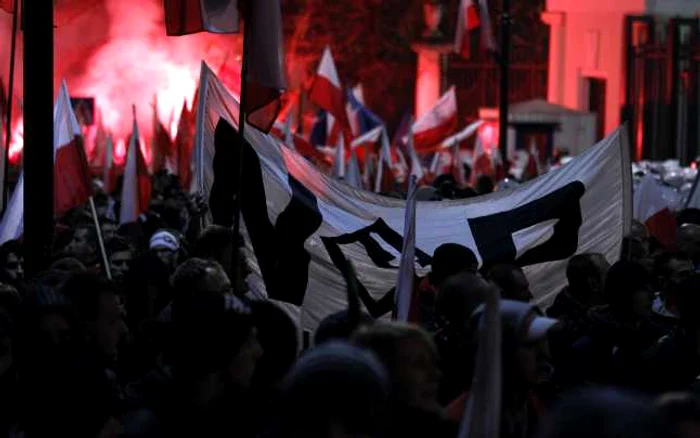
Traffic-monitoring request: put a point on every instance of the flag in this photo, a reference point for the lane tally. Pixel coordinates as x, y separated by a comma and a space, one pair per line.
404, 282
481, 161
327, 92
416, 165
482, 411
431, 129
362, 119
183, 17
265, 80
651, 209
183, 146
161, 143
136, 189
364, 145
12, 225
304, 228
384, 166
319, 129
7, 6
462, 135
339, 161
72, 186
467, 21
353, 176
109, 172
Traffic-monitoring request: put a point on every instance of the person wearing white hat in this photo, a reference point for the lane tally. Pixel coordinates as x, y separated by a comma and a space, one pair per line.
166, 246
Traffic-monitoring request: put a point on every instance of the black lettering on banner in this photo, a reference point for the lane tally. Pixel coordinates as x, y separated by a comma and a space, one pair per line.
379, 256
493, 234
279, 249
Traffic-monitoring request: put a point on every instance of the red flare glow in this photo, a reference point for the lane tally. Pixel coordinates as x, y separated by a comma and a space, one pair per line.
16, 142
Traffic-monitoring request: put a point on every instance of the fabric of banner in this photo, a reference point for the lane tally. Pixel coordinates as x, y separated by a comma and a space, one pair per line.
303, 228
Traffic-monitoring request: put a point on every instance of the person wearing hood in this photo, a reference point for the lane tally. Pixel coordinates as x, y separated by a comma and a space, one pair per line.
526, 364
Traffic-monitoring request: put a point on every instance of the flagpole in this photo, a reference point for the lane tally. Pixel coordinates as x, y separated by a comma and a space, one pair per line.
8, 120
241, 143
100, 239
504, 64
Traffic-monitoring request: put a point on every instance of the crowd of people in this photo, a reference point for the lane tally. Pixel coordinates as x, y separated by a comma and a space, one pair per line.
173, 344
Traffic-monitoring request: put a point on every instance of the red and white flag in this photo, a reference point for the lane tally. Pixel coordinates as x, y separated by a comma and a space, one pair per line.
72, 186
469, 19
481, 163
136, 189
405, 281
265, 81
109, 174
327, 92
183, 17
384, 166
416, 165
651, 209
437, 124
183, 144
7, 6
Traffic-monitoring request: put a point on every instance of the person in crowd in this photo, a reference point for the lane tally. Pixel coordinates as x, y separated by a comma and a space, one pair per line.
120, 256
689, 242
336, 390
669, 271
619, 332
67, 265
512, 281
83, 243
682, 410
673, 363
109, 229
74, 393
9, 298
586, 275
448, 259
218, 352
277, 335
485, 185
9, 382
166, 245
526, 364
11, 263
460, 295
217, 243
340, 326
605, 413
411, 360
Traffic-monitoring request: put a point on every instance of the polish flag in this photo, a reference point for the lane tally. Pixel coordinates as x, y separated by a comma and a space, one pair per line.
364, 144
650, 208
416, 166
462, 135
437, 124
136, 190
265, 80
339, 161
481, 164
72, 186
296, 142
327, 92
7, 6
184, 141
470, 18
109, 174
384, 166
467, 21
183, 17
161, 143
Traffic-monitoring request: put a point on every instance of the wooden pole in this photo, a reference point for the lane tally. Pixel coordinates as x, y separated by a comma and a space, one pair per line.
10, 99
504, 65
38, 135
100, 239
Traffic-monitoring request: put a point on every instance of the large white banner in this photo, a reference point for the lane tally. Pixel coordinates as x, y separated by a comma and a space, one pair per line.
302, 227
